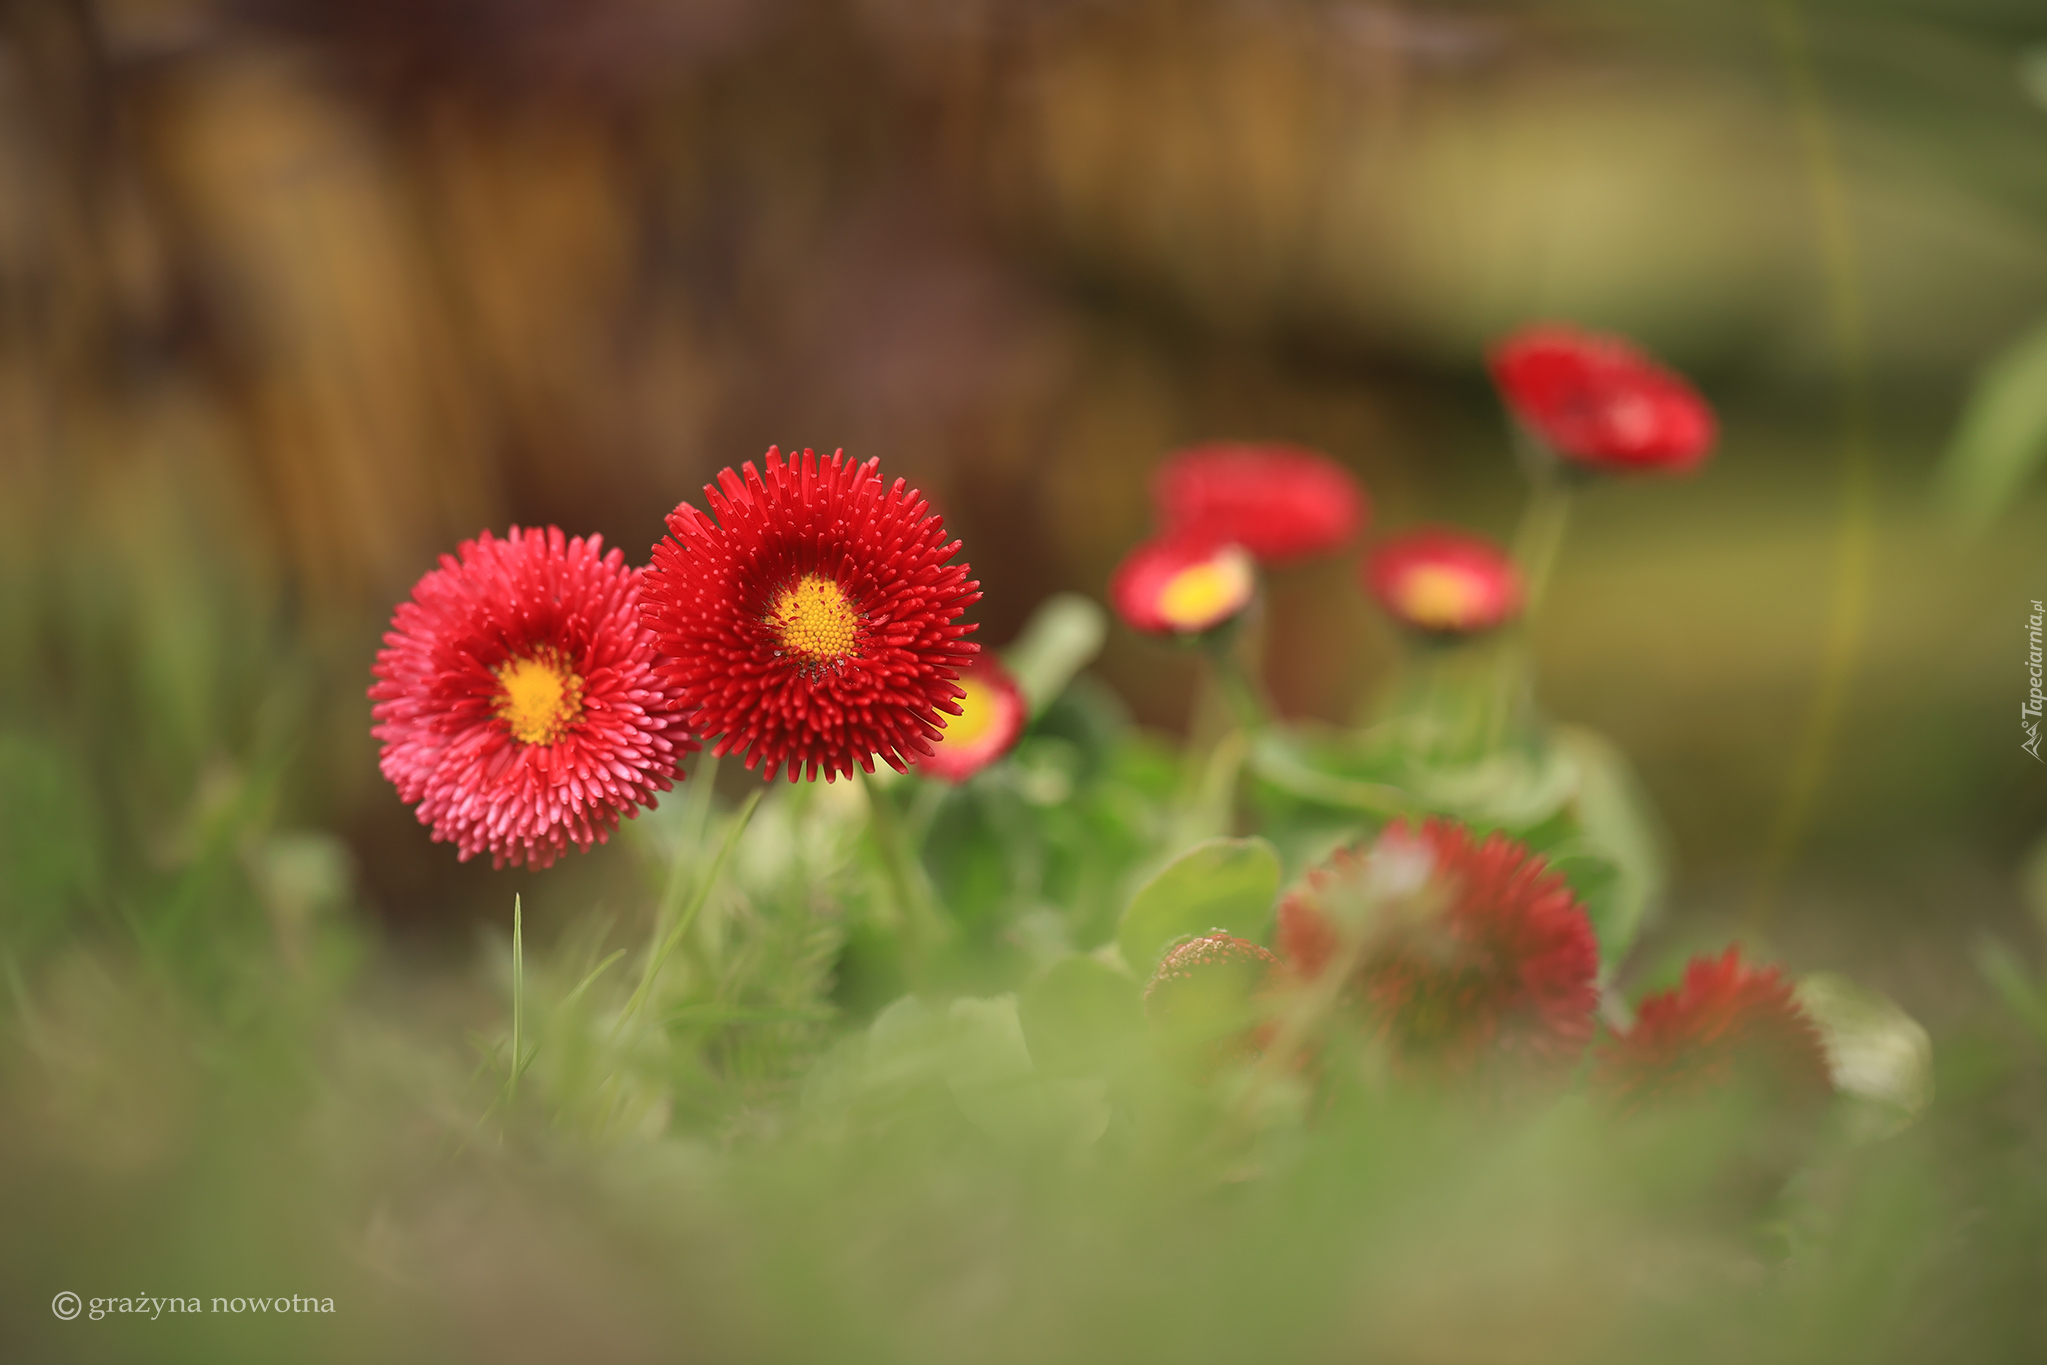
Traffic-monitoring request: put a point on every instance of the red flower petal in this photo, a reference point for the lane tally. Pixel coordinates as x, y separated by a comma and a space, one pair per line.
1282, 503
517, 699
1440, 579
813, 620
1598, 401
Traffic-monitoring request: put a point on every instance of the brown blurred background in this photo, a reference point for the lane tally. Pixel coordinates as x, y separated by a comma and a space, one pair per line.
299, 293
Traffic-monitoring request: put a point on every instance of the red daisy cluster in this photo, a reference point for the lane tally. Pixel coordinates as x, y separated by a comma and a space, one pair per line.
517, 699
990, 721
1463, 949
1444, 581
1728, 1023
811, 619
1224, 509
1282, 503
1600, 403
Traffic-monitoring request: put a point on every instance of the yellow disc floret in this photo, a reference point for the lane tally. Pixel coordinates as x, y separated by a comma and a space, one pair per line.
815, 619
1441, 598
1203, 594
540, 696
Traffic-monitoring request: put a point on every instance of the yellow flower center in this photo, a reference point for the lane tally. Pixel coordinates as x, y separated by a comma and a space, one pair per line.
816, 619
979, 711
1203, 594
541, 697
1439, 597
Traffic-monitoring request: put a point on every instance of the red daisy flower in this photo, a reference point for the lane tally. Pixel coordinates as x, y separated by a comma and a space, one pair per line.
1727, 1023
1598, 401
991, 720
517, 699
1444, 580
815, 622
1280, 502
1182, 584
1464, 948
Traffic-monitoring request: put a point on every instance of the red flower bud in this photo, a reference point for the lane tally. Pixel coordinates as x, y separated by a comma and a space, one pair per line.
1600, 403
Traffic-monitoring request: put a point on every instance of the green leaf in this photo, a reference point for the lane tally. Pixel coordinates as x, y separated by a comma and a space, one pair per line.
974, 1051
2033, 883
2002, 968
51, 857
2003, 432
1510, 789
1297, 765
1599, 883
1221, 883
1078, 1013
2033, 74
1615, 822
1062, 637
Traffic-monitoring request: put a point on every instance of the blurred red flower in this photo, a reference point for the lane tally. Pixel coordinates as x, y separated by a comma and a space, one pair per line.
517, 699
1182, 584
1280, 502
991, 720
1727, 1023
1599, 402
815, 621
1464, 949
1444, 580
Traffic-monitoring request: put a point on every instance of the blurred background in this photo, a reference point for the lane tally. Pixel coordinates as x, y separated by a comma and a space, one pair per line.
297, 294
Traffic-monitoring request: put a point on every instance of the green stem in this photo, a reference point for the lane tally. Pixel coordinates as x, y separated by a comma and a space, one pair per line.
518, 999
1855, 534
1240, 694
1537, 542
681, 927
1232, 651
1539, 537
905, 876
689, 844
696, 810
924, 809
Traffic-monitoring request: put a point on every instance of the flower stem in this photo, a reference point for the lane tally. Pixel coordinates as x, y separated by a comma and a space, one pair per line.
1539, 537
1229, 651
1833, 225
696, 813
1537, 542
681, 927
921, 925
518, 999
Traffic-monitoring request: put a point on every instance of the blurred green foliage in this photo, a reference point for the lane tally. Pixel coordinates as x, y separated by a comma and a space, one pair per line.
720, 1163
